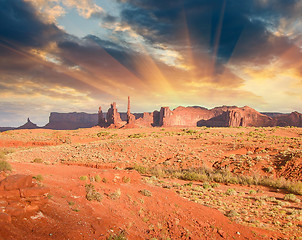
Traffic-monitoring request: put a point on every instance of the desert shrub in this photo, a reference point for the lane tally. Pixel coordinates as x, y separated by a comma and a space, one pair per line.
189, 131
102, 134
39, 177
222, 176
118, 236
116, 195
189, 184
37, 160
290, 197
92, 194
145, 192
295, 187
268, 169
190, 176
83, 178
2, 155
104, 180
231, 192
231, 213
214, 185
141, 169
126, 179
97, 178
252, 192
206, 185
137, 135
5, 166
157, 172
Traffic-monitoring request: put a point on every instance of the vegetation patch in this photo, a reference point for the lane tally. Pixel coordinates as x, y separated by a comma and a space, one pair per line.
92, 194
145, 192
83, 178
102, 134
37, 160
222, 176
5, 166
39, 177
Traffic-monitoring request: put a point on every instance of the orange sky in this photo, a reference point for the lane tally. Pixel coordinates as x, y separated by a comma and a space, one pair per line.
72, 55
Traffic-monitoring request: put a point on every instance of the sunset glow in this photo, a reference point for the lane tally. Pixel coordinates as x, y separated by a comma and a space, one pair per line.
75, 55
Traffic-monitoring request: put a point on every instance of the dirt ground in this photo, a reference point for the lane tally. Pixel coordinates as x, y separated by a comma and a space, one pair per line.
137, 205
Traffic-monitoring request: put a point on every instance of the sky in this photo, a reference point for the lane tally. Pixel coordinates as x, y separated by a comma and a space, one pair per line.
77, 55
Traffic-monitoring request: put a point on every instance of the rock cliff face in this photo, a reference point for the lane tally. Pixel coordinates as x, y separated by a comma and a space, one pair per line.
225, 116
183, 116
246, 117
71, 121
292, 119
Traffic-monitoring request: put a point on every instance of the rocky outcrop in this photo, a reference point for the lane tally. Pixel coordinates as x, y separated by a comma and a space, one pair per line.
28, 125
20, 196
184, 116
292, 119
130, 117
101, 118
71, 121
246, 117
3, 129
237, 117
113, 117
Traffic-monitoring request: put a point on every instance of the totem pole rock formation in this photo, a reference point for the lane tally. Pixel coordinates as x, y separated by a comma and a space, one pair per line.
101, 119
130, 117
113, 117
224, 116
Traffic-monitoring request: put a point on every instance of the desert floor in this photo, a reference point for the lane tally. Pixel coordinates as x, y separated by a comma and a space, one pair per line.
159, 183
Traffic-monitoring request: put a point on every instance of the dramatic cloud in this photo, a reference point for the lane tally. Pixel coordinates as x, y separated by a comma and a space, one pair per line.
172, 52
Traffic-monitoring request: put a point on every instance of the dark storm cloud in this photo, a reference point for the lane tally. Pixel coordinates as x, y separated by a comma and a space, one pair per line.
20, 25
215, 26
21, 31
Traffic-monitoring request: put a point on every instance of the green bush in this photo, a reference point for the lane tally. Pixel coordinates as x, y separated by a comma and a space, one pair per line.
5, 166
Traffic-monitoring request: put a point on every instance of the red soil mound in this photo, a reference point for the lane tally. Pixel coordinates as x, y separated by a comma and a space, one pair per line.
128, 205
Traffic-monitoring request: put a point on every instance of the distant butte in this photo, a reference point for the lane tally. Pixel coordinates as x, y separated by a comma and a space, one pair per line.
224, 116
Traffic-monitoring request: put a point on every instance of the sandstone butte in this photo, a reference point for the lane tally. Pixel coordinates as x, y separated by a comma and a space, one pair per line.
225, 116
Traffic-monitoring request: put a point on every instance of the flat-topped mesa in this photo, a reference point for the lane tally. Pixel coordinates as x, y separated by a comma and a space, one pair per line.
224, 116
